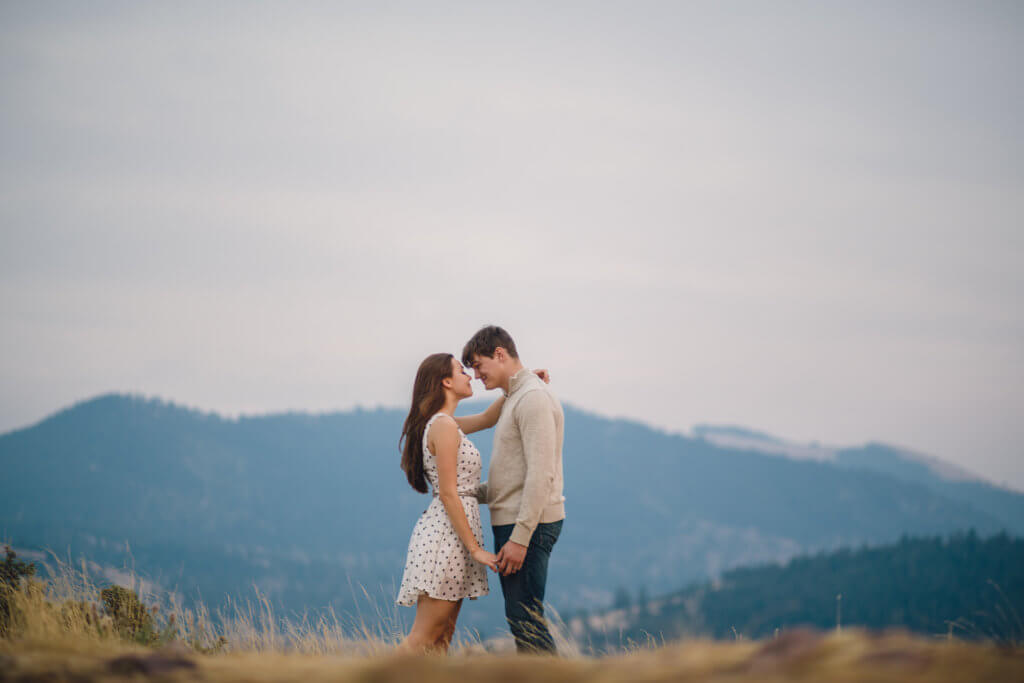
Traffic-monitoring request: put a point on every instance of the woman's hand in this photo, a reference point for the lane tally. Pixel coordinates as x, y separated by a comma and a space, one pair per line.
544, 375
486, 558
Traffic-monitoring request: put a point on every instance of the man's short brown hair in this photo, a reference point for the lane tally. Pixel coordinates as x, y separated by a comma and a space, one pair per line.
485, 342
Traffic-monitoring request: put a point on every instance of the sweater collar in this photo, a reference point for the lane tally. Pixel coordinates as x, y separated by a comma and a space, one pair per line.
516, 381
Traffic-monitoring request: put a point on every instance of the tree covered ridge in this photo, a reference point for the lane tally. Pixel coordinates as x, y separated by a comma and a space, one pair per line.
962, 584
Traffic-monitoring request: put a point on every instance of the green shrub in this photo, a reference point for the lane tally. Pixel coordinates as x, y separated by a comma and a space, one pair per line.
12, 570
132, 619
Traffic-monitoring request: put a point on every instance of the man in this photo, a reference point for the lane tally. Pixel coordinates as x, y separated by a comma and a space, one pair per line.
524, 484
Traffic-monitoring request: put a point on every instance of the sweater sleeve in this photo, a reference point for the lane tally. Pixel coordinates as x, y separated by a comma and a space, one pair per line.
536, 423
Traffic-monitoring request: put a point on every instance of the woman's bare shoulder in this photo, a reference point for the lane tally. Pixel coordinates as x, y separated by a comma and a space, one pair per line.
443, 425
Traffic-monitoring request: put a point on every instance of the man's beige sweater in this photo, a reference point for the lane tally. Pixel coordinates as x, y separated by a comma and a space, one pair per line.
524, 482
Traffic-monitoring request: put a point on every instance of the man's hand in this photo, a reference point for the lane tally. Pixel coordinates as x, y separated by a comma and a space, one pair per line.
510, 558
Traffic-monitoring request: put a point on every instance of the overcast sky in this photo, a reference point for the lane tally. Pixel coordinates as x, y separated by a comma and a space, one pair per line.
800, 217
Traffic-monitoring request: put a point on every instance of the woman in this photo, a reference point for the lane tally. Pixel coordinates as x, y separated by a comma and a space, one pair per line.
446, 562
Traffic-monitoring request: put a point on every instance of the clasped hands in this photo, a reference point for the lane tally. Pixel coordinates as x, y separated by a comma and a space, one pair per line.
509, 559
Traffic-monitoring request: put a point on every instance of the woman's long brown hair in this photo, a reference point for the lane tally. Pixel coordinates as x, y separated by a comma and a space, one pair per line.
427, 399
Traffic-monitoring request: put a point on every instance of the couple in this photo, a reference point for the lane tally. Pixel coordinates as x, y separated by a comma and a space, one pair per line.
447, 560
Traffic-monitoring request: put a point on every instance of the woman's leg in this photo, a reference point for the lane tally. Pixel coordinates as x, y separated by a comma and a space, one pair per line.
449, 632
432, 621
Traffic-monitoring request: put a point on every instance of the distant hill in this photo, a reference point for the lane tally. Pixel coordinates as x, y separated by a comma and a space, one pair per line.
966, 585
311, 507
938, 475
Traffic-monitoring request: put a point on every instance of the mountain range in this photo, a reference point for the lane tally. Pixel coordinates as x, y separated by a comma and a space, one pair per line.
314, 510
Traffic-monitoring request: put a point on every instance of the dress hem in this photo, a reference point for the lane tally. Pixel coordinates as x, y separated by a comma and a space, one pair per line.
424, 591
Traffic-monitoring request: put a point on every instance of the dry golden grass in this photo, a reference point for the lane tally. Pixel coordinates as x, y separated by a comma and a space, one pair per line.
795, 655
65, 608
59, 635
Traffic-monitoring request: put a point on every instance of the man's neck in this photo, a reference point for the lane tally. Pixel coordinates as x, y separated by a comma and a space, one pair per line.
513, 371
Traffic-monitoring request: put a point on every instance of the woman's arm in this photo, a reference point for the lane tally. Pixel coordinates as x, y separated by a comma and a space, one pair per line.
444, 441
481, 421
489, 418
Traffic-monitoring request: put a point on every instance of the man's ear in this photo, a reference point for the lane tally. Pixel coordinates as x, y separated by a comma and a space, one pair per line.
499, 354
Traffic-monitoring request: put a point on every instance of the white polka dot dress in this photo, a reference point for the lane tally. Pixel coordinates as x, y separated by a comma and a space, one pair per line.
438, 564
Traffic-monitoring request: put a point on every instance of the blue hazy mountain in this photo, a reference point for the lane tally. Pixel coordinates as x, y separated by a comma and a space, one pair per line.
937, 475
312, 507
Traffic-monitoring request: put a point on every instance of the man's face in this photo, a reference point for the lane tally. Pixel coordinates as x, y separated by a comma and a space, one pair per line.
488, 370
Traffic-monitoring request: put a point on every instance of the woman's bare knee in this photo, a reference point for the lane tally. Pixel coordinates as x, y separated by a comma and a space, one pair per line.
433, 620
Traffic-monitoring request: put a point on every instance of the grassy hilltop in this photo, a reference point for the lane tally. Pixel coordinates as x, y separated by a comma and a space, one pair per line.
797, 656
66, 629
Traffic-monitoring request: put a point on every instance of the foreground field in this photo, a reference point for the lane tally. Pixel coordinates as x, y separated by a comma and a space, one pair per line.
793, 656
68, 628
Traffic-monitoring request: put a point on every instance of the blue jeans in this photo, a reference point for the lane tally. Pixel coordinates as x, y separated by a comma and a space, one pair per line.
524, 590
